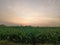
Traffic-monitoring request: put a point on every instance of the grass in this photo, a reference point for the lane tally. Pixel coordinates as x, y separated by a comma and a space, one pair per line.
5, 42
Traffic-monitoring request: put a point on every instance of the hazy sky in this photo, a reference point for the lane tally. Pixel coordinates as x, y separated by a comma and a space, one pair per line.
30, 12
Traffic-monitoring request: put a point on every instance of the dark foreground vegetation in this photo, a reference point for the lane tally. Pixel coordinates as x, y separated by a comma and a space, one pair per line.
30, 35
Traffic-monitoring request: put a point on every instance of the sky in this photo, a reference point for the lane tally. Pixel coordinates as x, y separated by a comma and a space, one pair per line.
30, 12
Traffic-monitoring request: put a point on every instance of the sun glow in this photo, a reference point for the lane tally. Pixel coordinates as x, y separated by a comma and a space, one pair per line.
23, 16
30, 12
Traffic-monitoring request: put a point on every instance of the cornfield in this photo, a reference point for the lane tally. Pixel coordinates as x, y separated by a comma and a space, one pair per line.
29, 34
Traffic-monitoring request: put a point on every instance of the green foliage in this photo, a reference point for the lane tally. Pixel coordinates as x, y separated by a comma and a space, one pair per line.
28, 34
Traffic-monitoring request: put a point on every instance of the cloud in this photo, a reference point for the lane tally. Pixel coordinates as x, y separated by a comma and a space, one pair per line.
30, 12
